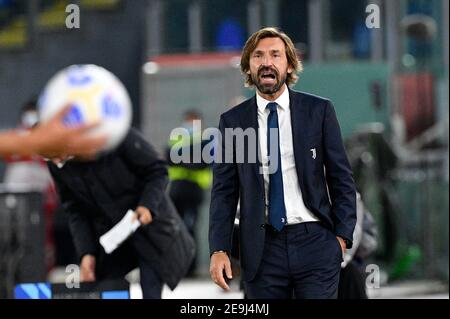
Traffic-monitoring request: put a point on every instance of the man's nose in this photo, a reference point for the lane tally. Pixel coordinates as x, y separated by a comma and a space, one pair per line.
267, 61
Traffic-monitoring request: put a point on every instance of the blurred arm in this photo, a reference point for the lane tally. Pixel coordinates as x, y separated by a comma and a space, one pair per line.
51, 139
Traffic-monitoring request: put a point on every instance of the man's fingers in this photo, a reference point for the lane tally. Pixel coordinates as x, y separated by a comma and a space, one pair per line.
56, 138
90, 276
59, 117
86, 145
144, 215
342, 244
63, 112
218, 278
221, 281
145, 219
81, 141
87, 276
87, 127
228, 270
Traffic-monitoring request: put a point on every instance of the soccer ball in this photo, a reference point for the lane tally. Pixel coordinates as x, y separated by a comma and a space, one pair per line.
95, 95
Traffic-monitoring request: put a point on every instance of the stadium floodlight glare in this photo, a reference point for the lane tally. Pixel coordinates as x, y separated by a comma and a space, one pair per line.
150, 68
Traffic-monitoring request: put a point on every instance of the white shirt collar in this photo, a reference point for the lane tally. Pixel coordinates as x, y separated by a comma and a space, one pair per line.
282, 101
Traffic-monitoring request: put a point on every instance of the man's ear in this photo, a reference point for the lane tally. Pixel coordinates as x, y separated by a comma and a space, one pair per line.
290, 69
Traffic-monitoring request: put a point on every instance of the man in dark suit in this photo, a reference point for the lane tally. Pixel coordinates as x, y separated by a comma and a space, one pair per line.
298, 200
97, 193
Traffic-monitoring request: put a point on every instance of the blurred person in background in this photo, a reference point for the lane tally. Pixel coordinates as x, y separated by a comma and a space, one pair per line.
189, 181
30, 171
96, 194
27, 169
293, 232
352, 283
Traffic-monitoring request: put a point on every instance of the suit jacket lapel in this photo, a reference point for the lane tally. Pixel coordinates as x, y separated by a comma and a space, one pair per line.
251, 121
299, 122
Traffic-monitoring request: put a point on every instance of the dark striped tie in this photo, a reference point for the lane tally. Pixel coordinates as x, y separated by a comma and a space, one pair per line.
277, 209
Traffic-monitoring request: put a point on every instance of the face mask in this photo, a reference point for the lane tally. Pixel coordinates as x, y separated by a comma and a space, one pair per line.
30, 119
189, 126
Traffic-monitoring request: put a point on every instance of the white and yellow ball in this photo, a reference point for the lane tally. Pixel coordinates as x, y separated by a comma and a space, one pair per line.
95, 95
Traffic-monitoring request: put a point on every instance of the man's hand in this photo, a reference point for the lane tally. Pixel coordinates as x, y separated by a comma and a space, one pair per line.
54, 139
144, 215
219, 263
342, 243
87, 268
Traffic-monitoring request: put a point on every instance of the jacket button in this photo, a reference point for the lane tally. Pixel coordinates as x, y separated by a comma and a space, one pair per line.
263, 225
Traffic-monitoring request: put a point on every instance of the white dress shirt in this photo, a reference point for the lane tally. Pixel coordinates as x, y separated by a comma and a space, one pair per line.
296, 212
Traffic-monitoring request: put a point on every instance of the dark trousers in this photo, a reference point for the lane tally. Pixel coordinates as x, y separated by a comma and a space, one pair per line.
122, 261
352, 282
151, 284
300, 261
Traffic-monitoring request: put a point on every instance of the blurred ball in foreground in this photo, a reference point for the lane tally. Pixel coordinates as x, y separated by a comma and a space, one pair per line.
95, 95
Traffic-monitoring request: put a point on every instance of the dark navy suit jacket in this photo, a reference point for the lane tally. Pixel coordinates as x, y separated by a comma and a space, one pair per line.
326, 182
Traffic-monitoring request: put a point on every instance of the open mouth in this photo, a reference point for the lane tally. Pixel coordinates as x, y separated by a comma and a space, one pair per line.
267, 77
